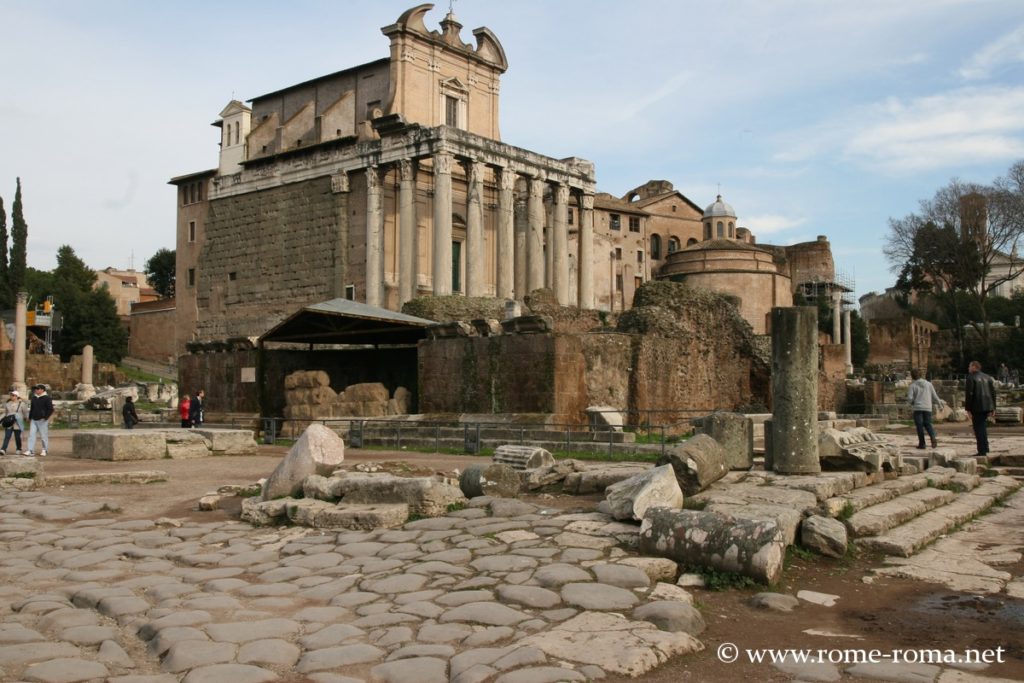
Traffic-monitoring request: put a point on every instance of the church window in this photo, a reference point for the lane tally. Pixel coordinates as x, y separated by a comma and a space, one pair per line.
615, 221
191, 277
236, 132
618, 253
634, 223
707, 230
451, 111
350, 292
673, 245
732, 229
639, 255
191, 231
691, 242
618, 282
721, 229
656, 247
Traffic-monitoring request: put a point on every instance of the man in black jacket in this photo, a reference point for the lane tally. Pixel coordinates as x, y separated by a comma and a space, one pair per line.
980, 402
39, 414
195, 409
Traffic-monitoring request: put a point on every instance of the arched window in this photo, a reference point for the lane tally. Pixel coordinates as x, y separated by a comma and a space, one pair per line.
721, 229
656, 247
673, 245
691, 242
732, 229
707, 230
236, 132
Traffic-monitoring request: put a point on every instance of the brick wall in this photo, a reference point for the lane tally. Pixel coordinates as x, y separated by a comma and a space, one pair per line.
153, 330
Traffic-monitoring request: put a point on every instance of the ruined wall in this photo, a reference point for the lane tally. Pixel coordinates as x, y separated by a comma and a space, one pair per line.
152, 332
832, 377
810, 262
49, 370
267, 253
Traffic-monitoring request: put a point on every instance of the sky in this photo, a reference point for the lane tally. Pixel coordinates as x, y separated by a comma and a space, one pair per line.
811, 117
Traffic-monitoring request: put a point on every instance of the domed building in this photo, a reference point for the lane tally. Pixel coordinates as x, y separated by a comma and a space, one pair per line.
728, 262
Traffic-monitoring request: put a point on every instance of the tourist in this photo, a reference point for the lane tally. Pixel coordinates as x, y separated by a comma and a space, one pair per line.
1004, 374
13, 420
195, 409
128, 414
924, 400
183, 410
40, 413
980, 401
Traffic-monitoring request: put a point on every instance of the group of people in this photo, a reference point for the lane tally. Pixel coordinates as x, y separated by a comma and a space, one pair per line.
190, 409
979, 402
37, 412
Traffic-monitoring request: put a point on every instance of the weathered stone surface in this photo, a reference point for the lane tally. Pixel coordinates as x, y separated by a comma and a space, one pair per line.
656, 568
630, 498
598, 596
497, 480
188, 654
598, 479
334, 657
420, 669
621, 575
424, 495
697, 463
710, 539
823, 535
557, 574
734, 432
65, 670
318, 451
236, 673
263, 512
671, 615
530, 596
612, 642
523, 457
17, 466
187, 443
119, 444
229, 441
857, 449
490, 613
353, 516
775, 601
794, 439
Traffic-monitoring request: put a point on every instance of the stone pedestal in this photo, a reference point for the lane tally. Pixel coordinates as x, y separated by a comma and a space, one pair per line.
794, 439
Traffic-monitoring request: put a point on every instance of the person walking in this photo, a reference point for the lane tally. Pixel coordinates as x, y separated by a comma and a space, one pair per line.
13, 421
924, 400
195, 409
40, 414
183, 411
128, 413
980, 401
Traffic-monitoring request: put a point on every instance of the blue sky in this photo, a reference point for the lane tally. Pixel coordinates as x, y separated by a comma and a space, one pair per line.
815, 117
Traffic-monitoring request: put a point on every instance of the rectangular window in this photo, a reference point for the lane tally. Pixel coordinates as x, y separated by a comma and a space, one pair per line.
639, 255
615, 221
191, 231
451, 111
618, 253
232, 276
191, 277
634, 223
568, 217
350, 292
456, 266
618, 282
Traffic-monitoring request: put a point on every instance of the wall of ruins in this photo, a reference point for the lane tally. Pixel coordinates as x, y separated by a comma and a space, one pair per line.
810, 262
266, 253
152, 335
49, 370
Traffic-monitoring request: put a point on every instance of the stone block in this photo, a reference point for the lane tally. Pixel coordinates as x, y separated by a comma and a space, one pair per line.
657, 487
735, 434
262, 513
362, 517
424, 495
187, 443
230, 441
373, 392
1008, 415
318, 451
698, 463
965, 465
605, 417
523, 457
598, 479
824, 535
119, 444
20, 467
497, 480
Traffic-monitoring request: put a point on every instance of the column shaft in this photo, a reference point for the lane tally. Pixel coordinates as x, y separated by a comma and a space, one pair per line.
585, 255
20, 340
535, 236
442, 266
407, 251
837, 312
848, 341
475, 229
505, 248
374, 239
795, 390
560, 230
522, 229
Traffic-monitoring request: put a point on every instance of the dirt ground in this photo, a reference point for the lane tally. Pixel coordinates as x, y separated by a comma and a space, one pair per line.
891, 613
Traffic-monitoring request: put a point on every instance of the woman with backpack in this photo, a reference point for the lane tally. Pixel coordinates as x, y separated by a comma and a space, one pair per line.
13, 420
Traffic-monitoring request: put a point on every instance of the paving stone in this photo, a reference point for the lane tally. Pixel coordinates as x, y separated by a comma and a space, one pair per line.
489, 613
112, 653
395, 635
478, 673
65, 670
656, 568
16, 633
503, 563
470, 658
334, 657
419, 669
324, 613
671, 616
489, 636
457, 598
427, 610
329, 636
574, 555
621, 575
670, 591
541, 674
810, 670
898, 673
520, 657
236, 673
273, 651
242, 632
531, 596
142, 678
375, 620
88, 635
169, 636
556, 575
401, 583
189, 654
25, 653
598, 596
443, 633
420, 650
332, 678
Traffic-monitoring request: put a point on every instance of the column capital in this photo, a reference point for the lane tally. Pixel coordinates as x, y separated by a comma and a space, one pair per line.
22, 297
536, 185
443, 163
474, 170
561, 193
506, 178
372, 178
587, 202
407, 169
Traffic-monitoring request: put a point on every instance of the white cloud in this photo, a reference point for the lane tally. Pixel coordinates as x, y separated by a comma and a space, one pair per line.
1007, 49
963, 127
768, 224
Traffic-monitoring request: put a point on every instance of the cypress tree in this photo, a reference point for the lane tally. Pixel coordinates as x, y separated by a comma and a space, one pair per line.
6, 298
19, 240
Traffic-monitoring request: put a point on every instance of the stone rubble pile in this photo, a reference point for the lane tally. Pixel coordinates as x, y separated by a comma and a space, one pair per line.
308, 395
857, 448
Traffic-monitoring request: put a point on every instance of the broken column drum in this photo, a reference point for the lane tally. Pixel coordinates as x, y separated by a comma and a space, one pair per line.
794, 427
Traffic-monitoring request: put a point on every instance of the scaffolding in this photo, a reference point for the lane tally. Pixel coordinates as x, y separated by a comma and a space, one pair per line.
842, 282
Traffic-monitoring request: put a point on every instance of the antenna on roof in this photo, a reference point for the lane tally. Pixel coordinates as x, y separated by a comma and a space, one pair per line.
451, 6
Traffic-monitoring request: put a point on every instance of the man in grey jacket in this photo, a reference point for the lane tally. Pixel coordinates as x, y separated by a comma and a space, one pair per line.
980, 402
924, 400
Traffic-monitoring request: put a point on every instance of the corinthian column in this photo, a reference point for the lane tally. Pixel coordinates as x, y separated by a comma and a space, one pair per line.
20, 337
586, 252
837, 314
474, 229
521, 227
560, 247
407, 251
535, 236
848, 341
505, 279
374, 239
442, 266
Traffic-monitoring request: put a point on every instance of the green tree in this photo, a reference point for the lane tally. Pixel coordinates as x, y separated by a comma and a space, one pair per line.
6, 296
160, 271
89, 314
19, 242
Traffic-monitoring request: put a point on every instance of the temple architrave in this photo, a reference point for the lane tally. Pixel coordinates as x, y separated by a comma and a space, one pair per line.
378, 183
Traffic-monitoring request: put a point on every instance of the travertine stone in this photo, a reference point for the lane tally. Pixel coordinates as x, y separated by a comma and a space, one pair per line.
523, 457
318, 451
698, 463
795, 390
735, 434
497, 480
629, 499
